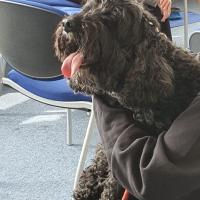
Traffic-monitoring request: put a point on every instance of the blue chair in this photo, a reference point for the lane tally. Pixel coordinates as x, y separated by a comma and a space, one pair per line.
175, 14
26, 29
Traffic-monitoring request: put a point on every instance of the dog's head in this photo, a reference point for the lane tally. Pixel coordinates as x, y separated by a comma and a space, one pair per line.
108, 38
100, 36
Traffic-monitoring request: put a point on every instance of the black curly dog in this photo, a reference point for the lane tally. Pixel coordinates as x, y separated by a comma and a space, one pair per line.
115, 48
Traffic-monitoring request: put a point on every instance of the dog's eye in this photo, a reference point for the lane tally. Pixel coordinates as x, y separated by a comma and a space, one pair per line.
83, 26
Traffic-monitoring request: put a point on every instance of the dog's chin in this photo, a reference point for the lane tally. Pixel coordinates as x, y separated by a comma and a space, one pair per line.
80, 86
74, 85
84, 83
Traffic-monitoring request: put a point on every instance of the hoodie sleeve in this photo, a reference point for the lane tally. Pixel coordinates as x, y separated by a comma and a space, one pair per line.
152, 168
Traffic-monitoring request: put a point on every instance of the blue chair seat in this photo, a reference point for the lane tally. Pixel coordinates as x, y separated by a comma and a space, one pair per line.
61, 7
67, 10
66, 3
53, 89
175, 14
65, 6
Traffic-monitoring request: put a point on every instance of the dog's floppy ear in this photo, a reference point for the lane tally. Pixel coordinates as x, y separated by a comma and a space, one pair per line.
134, 14
137, 9
154, 77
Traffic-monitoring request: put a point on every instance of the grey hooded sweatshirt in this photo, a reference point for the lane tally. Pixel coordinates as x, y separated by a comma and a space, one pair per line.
163, 167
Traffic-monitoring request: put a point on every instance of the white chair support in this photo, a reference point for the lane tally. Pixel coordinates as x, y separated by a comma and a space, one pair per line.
69, 106
69, 127
84, 151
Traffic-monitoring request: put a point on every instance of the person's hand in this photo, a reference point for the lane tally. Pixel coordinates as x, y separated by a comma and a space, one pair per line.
165, 6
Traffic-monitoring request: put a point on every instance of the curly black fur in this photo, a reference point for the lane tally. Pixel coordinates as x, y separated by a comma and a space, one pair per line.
96, 181
128, 59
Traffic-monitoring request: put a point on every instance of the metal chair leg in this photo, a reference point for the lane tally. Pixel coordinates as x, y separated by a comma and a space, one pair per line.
69, 127
88, 135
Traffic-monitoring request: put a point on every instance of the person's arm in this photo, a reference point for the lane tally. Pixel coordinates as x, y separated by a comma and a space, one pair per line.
152, 168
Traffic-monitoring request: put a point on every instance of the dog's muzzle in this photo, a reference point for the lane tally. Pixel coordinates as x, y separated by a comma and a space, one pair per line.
69, 25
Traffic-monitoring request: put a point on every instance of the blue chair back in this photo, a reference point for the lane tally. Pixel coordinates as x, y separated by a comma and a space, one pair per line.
26, 29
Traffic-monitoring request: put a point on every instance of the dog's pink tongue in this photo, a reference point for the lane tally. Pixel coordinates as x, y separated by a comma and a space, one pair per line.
71, 64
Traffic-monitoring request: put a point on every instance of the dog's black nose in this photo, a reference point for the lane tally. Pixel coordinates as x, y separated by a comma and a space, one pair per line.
68, 25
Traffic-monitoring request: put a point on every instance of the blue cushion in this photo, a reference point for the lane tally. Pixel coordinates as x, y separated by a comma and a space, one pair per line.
54, 89
68, 10
39, 6
175, 15
67, 3
60, 9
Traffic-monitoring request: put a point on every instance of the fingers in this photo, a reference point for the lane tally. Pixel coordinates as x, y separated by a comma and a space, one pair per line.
164, 3
165, 6
166, 13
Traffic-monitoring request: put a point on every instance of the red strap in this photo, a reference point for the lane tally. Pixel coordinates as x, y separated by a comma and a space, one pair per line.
126, 195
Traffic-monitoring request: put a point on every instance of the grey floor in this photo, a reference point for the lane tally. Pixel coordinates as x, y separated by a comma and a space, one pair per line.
35, 162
